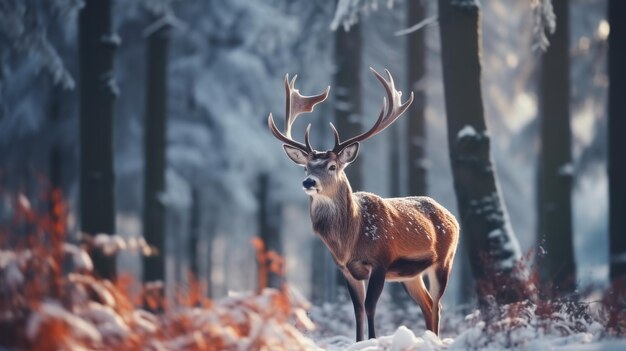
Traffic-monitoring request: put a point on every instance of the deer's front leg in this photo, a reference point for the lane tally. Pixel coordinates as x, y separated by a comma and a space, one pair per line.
374, 289
356, 288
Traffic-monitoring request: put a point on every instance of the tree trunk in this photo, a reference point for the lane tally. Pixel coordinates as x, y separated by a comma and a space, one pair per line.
348, 99
493, 248
98, 91
212, 216
348, 92
617, 141
558, 269
270, 218
416, 131
194, 233
154, 150
324, 273
56, 163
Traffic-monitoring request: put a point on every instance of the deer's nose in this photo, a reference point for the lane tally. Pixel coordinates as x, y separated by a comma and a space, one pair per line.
308, 183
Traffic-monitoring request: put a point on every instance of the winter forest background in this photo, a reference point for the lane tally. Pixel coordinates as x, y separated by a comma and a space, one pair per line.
211, 71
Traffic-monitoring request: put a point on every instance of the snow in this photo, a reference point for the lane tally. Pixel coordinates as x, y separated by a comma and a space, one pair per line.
545, 22
104, 317
474, 337
348, 11
111, 39
403, 339
466, 132
566, 170
80, 258
113, 244
51, 310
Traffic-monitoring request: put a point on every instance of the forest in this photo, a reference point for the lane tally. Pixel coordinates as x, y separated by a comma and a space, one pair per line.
168, 179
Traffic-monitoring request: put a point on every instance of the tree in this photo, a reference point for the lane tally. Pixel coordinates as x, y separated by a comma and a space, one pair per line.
98, 91
348, 91
555, 167
617, 141
416, 131
270, 218
347, 106
154, 149
492, 246
194, 232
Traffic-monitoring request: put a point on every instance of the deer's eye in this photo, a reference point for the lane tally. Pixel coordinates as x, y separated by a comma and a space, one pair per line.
332, 168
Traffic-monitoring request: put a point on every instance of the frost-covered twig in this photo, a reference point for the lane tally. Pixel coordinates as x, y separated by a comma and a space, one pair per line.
348, 11
422, 24
545, 22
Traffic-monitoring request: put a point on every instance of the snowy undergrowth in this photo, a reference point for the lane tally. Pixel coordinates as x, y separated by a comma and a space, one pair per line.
45, 310
50, 300
548, 325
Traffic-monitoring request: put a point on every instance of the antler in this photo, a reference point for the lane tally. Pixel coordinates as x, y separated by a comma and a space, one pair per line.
295, 105
394, 110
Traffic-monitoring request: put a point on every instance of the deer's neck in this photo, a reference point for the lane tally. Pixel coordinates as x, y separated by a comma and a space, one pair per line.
336, 219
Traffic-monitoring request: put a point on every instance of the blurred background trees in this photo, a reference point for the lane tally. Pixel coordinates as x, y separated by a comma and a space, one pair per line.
206, 162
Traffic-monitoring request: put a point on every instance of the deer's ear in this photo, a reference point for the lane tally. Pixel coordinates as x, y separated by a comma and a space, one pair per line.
348, 154
296, 155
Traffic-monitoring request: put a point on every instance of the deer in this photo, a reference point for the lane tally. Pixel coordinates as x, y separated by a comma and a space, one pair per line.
370, 238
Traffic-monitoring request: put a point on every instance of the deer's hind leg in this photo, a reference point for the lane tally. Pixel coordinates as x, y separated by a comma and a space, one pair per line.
437, 281
417, 290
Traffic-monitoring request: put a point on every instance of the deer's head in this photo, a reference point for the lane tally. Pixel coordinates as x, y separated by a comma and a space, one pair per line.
325, 169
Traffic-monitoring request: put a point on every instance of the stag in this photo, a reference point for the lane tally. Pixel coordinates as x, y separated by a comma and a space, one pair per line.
370, 238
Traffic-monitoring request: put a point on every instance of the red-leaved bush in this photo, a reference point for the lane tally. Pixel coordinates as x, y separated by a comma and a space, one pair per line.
50, 300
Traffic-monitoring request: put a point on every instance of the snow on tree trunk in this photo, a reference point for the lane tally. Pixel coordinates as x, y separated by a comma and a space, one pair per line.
154, 152
558, 268
98, 91
617, 140
493, 248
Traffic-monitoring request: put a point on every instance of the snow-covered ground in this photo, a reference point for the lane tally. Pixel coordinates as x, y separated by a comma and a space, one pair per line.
404, 339
521, 327
75, 311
